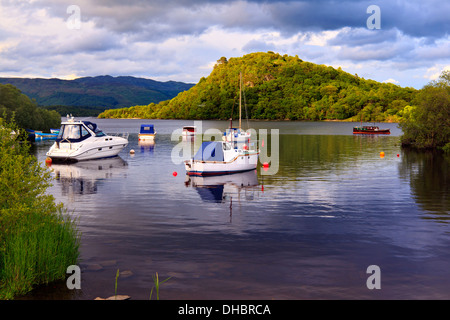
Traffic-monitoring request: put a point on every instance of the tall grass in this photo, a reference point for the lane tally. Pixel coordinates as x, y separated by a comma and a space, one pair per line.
37, 250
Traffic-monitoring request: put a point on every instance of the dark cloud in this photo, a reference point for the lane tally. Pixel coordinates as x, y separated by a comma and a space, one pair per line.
182, 37
165, 18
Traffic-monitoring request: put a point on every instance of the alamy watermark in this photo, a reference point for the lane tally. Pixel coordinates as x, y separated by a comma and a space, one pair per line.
74, 20
74, 280
374, 280
374, 21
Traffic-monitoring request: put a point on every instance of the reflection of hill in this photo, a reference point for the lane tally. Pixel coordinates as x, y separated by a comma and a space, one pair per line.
219, 188
429, 177
82, 177
302, 154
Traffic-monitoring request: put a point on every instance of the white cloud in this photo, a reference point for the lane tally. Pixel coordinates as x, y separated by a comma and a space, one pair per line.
390, 80
434, 72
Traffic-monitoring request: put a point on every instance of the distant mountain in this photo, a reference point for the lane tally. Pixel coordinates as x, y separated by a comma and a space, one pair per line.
102, 92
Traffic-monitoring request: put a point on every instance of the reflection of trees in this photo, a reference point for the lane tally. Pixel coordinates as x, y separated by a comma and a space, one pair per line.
429, 177
302, 154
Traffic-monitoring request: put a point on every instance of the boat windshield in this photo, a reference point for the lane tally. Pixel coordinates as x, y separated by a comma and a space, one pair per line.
93, 127
73, 132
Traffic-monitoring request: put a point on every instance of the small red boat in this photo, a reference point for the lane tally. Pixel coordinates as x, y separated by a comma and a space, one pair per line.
370, 130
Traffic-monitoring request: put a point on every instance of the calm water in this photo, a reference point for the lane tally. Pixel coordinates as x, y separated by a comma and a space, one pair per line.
334, 208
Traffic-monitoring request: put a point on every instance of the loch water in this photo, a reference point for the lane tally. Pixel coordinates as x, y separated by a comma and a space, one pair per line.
334, 207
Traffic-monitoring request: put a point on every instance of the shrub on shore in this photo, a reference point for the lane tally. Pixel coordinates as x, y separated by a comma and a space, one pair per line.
426, 125
38, 239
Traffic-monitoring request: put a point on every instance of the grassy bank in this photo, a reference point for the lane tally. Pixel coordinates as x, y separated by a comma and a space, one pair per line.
38, 239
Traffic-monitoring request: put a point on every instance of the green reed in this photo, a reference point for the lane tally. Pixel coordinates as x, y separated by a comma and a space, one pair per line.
37, 249
156, 285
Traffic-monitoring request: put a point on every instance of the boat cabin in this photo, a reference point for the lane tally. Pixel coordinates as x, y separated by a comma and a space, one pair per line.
78, 131
147, 129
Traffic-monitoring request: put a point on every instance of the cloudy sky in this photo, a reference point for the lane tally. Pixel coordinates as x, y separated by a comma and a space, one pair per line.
406, 42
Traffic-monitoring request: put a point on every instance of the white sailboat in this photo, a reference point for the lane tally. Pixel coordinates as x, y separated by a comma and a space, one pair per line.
219, 157
237, 135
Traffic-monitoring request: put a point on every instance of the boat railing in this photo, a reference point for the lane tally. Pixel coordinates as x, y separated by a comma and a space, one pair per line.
124, 135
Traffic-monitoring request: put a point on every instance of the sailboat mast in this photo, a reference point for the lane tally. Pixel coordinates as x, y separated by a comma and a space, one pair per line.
240, 98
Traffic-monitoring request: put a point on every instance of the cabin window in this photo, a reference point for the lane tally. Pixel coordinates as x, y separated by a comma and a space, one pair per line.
84, 132
70, 132
73, 132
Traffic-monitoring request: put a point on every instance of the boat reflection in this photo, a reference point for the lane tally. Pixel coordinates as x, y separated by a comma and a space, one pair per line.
146, 145
221, 188
82, 177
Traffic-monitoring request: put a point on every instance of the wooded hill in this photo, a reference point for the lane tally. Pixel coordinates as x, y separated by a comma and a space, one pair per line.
279, 87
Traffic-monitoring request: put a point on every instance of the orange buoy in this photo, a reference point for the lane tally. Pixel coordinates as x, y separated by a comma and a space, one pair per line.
48, 161
381, 154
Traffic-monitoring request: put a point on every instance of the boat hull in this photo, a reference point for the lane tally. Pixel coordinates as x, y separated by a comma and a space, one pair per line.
370, 130
66, 152
384, 131
146, 136
45, 136
241, 163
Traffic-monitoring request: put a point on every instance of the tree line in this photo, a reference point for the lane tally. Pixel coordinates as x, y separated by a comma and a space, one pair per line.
19, 108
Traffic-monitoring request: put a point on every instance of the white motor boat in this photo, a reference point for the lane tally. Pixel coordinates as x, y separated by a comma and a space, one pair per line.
82, 140
219, 157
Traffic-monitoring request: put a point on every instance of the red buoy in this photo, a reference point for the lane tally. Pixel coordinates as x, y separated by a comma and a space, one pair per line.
174, 173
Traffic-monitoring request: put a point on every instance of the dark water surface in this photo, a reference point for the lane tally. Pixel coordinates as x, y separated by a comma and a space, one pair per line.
334, 208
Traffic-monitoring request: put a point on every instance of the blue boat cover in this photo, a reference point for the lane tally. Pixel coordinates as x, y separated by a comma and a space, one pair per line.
147, 129
210, 151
